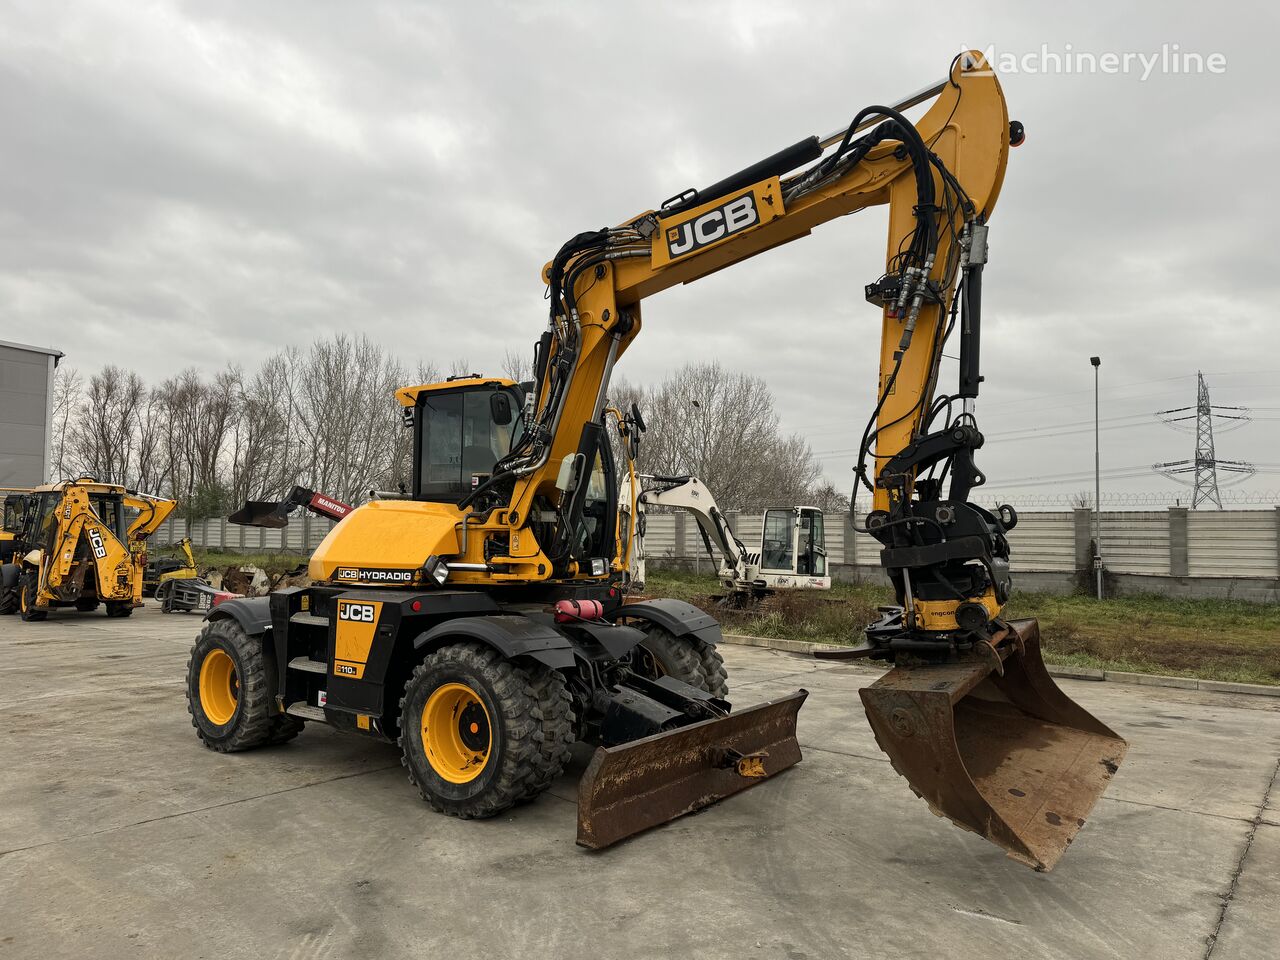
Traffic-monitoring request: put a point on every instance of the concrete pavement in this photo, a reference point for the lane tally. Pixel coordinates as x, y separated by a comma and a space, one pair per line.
121, 836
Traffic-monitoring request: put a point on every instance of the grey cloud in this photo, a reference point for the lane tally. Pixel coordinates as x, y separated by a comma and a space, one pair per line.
232, 178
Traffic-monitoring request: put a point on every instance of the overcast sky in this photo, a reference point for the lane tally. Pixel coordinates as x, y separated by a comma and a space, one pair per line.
187, 184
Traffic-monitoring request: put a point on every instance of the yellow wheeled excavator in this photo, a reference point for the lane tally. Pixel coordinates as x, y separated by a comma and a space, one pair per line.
478, 620
82, 544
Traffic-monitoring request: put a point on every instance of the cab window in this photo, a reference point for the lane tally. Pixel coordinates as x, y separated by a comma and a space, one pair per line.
776, 550
460, 442
109, 508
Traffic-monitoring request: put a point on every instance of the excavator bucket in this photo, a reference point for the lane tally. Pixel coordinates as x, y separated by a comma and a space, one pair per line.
996, 747
638, 785
259, 513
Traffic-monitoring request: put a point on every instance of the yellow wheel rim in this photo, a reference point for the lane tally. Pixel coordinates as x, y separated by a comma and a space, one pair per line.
456, 735
219, 686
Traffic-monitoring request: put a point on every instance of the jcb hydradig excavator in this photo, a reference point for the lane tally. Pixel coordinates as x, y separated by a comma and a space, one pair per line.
479, 622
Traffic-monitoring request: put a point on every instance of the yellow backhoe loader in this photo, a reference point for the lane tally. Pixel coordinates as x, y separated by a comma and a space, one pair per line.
478, 621
81, 543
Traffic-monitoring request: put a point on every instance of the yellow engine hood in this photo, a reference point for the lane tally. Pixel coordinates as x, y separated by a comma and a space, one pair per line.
385, 543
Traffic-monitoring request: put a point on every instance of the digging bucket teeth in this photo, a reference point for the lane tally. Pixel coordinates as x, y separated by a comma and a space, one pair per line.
259, 513
996, 747
638, 785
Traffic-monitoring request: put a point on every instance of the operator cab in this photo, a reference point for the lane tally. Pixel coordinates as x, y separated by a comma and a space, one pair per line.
461, 428
465, 425
794, 542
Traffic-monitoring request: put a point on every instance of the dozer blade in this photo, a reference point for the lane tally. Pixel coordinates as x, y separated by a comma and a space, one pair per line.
259, 513
1005, 754
638, 785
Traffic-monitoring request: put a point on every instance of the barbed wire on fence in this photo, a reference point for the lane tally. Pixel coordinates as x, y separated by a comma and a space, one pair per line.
1154, 498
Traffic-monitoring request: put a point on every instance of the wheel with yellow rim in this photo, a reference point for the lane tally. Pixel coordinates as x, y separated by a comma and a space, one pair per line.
231, 690
27, 588
480, 733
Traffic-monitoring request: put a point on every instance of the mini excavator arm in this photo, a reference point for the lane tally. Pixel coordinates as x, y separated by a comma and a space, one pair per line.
691, 494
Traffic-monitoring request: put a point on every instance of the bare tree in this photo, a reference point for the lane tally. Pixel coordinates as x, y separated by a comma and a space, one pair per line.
826, 496
461, 368
722, 427
517, 365
66, 401
102, 432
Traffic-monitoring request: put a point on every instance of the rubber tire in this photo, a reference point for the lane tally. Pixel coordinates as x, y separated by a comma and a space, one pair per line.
27, 589
87, 606
8, 601
531, 721
256, 721
119, 608
688, 659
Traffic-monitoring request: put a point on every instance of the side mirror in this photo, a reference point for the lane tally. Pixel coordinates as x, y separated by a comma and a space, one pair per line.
637, 419
570, 470
500, 407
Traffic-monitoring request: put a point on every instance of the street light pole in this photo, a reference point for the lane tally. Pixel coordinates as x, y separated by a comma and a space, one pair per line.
1097, 481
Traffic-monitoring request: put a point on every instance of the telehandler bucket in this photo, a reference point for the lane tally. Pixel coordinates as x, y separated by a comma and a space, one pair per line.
638, 785
259, 513
996, 747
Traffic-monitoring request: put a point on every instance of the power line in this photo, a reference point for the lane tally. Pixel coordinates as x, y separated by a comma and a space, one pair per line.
1205, 466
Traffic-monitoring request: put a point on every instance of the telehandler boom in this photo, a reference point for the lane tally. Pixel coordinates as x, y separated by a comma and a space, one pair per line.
480, 624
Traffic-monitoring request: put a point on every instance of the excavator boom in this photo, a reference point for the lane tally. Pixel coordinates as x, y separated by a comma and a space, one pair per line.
968, 714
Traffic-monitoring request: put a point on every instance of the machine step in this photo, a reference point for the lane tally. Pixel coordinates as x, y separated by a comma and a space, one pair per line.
306, 712
309, 665
309, 620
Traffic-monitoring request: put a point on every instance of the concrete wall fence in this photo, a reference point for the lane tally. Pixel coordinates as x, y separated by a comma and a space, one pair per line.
1177, 552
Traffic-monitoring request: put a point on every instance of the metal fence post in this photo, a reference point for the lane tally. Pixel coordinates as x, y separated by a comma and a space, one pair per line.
1083, 518
850, 553
1179, 564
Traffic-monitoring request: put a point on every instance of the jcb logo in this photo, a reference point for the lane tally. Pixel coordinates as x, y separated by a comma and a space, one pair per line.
95, 541
725, 220
347, 573
359, 612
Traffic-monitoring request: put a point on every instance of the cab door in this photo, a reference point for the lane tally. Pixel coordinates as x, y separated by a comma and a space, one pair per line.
811, 543
778, 542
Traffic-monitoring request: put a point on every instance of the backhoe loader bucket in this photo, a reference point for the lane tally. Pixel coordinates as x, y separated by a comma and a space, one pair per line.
638, 785
259, 513
999, 750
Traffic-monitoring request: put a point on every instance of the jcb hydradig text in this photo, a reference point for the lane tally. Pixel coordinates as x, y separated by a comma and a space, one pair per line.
478, 620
